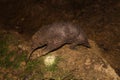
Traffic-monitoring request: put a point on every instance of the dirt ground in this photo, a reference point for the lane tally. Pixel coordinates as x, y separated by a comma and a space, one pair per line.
81, 63
99, 19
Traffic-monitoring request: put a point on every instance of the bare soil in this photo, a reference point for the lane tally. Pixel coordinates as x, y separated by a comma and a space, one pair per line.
99, 19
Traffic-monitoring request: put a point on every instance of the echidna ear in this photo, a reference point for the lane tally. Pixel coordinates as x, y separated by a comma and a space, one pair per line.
86, 44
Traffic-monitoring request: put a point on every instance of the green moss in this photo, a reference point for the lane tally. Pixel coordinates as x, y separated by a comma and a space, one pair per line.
12, 59
31, 65
6, 60
6, 55
3, 52
18, 59
3, 48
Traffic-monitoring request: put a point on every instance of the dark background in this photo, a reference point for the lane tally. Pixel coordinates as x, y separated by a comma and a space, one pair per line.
99, 18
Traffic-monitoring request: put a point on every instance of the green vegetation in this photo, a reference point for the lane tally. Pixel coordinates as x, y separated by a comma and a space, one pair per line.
10, 58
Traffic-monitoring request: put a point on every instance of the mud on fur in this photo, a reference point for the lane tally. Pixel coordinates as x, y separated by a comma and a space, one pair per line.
55, 35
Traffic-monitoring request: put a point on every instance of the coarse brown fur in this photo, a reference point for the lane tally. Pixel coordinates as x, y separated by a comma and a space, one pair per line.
56, 35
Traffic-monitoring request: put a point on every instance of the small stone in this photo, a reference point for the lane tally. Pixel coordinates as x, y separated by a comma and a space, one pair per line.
49, 60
